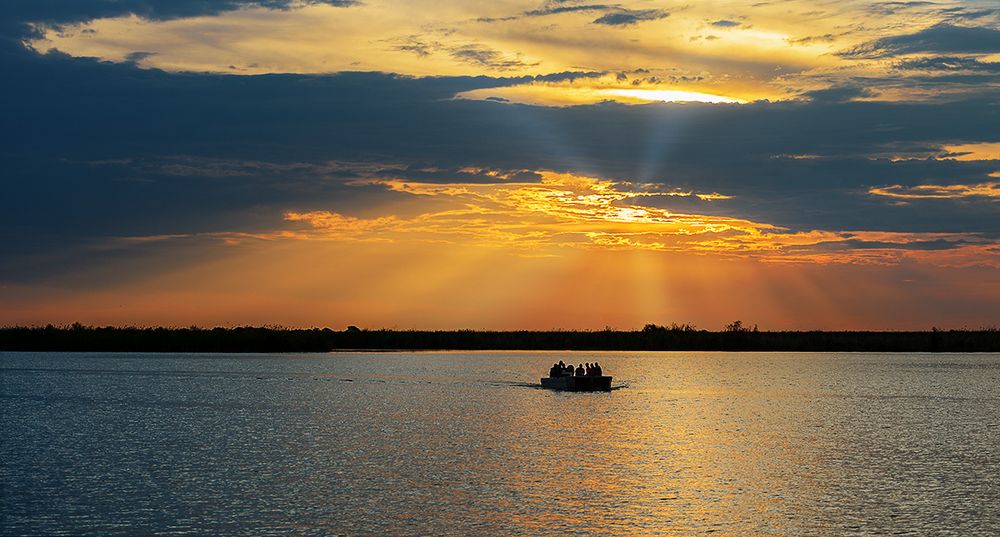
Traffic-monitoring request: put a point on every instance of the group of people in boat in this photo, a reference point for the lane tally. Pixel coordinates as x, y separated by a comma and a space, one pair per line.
583, 370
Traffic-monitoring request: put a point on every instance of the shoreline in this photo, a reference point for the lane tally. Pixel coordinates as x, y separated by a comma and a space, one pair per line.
79, 338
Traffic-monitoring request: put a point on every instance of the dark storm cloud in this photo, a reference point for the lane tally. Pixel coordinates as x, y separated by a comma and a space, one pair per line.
890, 8
138, 56
568, 76
808, 40
943, 81
613, 14
557, 9
63, 11
939, 39
959, 13
949, 63
725, 23
856, 244
628, 17
18, 16
415, 45
487, 57
839, 94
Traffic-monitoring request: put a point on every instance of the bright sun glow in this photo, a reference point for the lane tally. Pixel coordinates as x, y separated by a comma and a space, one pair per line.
670, 96
607, 88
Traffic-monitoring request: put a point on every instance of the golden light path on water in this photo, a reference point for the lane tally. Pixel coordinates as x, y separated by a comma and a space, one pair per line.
459, 443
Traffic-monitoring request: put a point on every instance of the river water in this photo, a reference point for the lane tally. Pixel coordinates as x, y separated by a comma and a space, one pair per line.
464, 444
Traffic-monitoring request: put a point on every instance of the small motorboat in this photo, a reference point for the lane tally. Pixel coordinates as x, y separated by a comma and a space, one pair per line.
571, 383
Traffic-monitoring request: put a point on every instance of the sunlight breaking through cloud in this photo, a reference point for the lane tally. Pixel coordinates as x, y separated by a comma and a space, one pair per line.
670, 96
570, 211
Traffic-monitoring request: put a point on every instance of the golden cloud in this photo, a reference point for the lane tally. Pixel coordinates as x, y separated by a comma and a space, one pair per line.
777, 51
570, 211
989, 190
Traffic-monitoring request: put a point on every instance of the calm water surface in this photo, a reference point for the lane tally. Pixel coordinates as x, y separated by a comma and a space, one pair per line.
460, 444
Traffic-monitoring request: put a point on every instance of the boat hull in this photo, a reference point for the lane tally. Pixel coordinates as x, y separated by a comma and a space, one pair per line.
578, 384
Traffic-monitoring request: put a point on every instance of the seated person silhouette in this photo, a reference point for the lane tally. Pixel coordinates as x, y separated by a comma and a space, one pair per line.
597, 370
579, 370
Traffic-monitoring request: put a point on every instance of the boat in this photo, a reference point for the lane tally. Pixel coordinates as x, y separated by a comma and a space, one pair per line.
570, 383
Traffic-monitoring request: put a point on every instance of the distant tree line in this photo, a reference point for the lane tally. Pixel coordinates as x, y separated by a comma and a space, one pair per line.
735, 337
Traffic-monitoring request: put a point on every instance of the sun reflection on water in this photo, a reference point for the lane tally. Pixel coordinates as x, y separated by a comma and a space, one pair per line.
461, 444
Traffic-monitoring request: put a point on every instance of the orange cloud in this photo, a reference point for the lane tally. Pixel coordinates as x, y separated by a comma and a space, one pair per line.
569, 211
989, 190
977, 151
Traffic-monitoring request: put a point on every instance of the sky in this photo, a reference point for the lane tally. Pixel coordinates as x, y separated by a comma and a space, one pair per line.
515, 164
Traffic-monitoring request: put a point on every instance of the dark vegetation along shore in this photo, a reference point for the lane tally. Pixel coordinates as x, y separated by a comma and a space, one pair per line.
734, 337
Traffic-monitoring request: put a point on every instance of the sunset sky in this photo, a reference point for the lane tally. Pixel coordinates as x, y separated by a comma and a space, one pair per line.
515, 164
